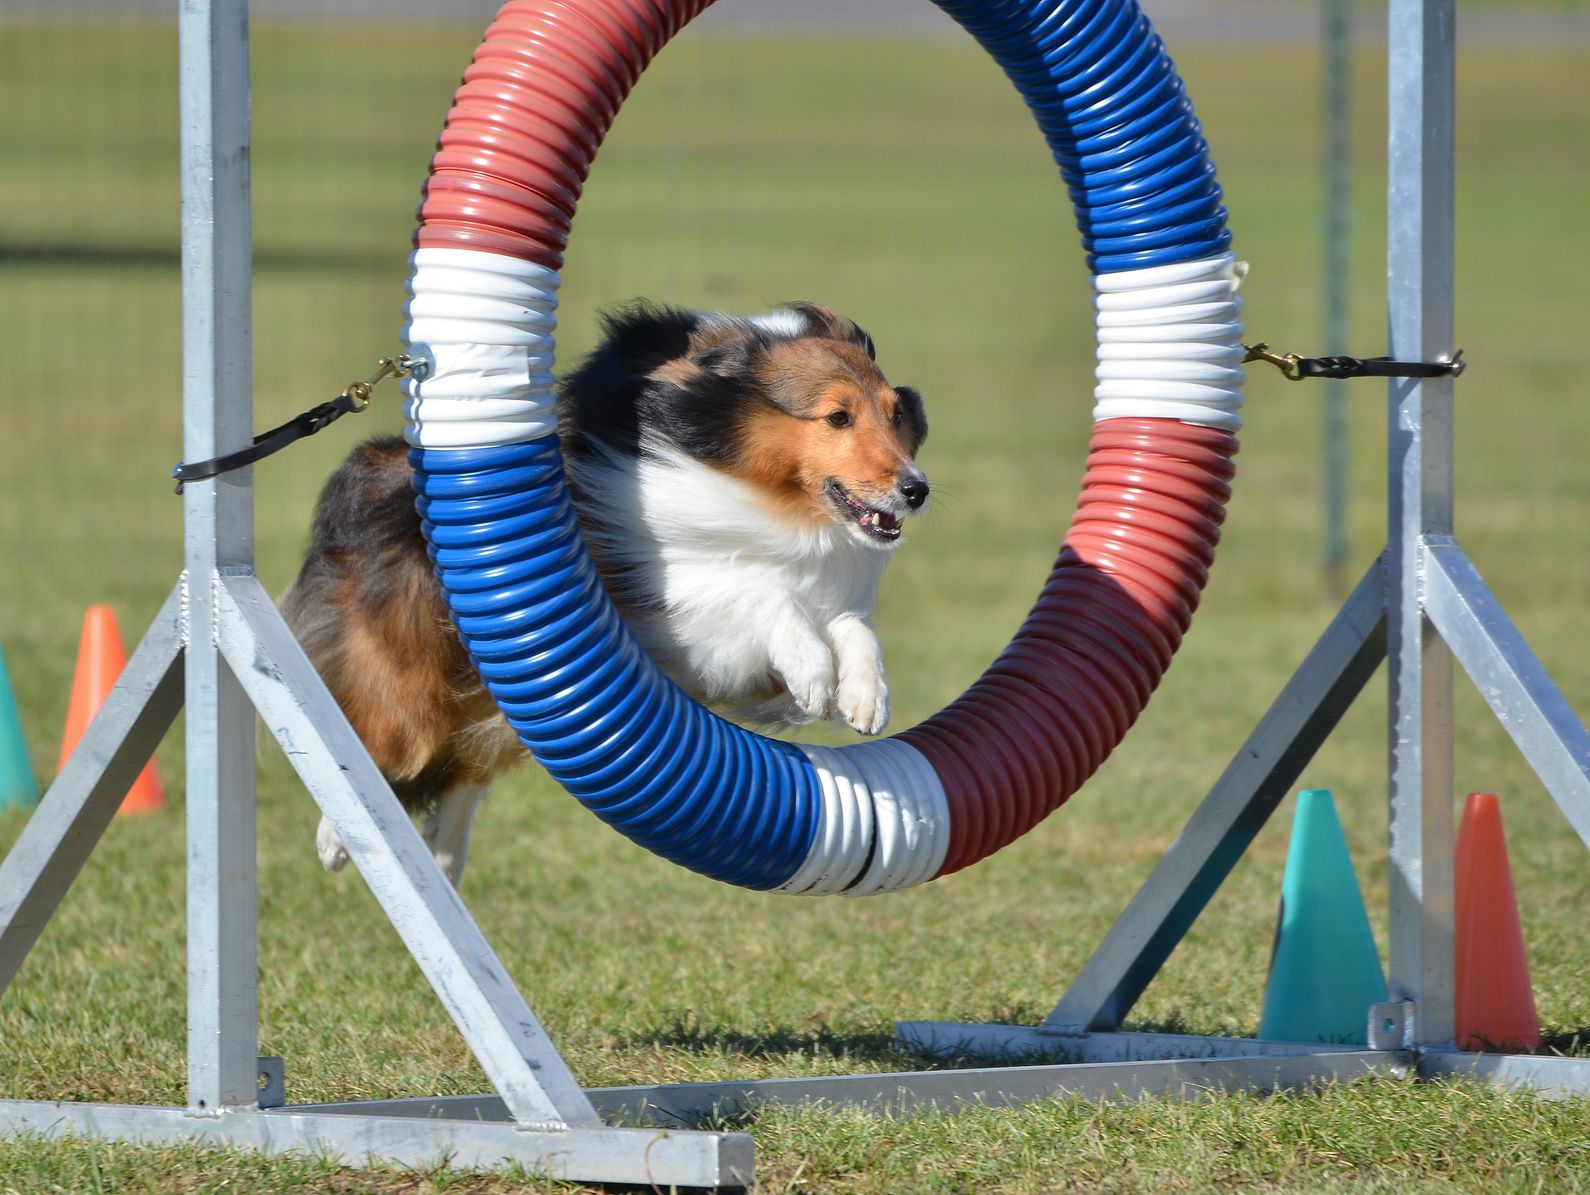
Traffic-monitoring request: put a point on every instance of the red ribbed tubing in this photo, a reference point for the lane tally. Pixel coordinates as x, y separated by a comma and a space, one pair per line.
536, 102
526, 122
1121, 594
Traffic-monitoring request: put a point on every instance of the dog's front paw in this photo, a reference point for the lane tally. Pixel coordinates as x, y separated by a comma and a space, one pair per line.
863, 697
808, 674
863, 701
333, 855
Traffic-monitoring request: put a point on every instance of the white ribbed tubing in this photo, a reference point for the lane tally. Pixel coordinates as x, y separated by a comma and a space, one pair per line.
884, 823
1170, 343
482, 325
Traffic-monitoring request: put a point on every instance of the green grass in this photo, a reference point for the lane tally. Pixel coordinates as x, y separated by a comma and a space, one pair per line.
905, 186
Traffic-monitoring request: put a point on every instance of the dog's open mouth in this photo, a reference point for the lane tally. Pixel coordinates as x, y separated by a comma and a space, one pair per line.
879, 524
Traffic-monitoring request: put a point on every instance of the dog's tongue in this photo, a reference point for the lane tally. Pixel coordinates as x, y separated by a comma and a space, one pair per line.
881, 520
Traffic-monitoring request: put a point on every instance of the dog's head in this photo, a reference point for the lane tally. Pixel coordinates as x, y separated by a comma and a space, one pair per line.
792, 403
815, 424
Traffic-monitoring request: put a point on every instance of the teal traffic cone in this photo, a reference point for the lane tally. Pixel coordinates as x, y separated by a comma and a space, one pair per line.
1324, 971
18, 787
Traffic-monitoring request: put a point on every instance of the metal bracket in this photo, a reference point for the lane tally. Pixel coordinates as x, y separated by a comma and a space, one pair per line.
272, 1082
1392, 1026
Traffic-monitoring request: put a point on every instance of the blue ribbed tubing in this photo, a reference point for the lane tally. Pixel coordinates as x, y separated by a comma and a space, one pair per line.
594, 710
1118, 121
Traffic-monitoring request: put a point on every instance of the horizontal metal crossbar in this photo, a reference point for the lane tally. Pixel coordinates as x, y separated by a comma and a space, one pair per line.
1030, 1043
905, 1092
1549, 1076
641, 1156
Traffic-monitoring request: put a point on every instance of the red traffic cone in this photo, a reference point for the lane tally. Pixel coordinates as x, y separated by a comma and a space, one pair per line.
100, 660
1495, 1003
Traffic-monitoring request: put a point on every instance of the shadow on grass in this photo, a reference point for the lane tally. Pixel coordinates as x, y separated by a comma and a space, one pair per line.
68, 255
782, 1041
877, 1050
1574, 1043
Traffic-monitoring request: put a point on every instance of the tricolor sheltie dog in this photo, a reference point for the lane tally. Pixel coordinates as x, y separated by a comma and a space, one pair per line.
741, 484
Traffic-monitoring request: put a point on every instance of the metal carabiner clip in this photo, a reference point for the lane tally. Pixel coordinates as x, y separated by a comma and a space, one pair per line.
390, 367
1287, 363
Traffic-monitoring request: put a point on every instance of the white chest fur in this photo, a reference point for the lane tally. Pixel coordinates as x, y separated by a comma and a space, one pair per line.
741, 607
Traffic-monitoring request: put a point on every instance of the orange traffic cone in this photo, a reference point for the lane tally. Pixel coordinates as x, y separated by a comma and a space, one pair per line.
100, 660
1495, 1004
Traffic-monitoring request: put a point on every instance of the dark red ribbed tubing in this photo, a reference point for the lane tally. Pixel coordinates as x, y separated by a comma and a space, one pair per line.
1097, 641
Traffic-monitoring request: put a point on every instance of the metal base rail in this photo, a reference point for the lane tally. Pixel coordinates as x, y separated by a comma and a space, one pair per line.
479, 1132
219, 647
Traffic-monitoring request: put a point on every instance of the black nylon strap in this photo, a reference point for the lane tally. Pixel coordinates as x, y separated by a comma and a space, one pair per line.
266, 443
1297, 368
1371, 367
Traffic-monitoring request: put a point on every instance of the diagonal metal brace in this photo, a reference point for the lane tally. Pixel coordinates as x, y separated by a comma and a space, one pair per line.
1510, 678
473, 985
1249, 790
69, 821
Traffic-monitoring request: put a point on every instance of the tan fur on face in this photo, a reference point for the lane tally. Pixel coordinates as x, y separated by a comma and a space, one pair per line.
791, 450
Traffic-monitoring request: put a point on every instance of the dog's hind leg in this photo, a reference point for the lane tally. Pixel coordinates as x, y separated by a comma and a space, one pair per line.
446, 832
448, 827
333, 855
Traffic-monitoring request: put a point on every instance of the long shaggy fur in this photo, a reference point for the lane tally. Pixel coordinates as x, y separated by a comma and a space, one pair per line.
740, 483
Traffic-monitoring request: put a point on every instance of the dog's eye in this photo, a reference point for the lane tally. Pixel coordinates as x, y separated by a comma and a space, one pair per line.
839, 419
897, 418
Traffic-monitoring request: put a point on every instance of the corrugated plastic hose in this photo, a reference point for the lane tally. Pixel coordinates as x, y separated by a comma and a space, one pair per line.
534, 106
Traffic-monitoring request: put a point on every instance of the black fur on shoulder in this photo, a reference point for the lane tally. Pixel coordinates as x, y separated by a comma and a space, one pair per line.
616, 392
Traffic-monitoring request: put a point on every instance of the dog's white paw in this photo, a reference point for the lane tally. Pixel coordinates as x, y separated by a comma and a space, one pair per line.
333, 855
808, 674
863, 701
863, 697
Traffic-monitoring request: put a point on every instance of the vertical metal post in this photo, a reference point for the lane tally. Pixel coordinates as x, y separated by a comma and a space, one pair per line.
223, 1014
1338, 230
1419, 301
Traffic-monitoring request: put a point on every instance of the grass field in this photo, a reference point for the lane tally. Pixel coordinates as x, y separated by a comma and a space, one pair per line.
903, 185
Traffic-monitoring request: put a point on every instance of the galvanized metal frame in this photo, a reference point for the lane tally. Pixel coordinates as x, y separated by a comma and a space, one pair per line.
219, 646
1420, 604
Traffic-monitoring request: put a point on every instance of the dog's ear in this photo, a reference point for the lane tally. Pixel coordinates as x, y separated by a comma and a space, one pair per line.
913, 416
732, 357
823, 321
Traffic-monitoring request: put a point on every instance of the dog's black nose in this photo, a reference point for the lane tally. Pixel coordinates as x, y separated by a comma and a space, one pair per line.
914, 488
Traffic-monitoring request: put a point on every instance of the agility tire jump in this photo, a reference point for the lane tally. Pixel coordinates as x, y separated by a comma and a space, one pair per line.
534, 105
